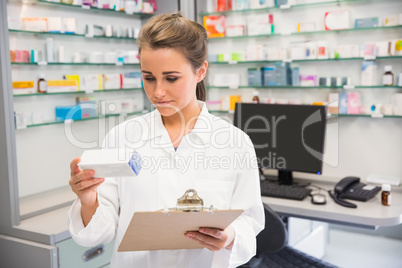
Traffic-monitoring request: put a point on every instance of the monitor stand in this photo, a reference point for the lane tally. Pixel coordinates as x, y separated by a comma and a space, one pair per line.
285, 177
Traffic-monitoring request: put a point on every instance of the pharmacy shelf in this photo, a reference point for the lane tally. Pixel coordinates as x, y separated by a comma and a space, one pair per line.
307, 33
69, 35
329, 115
287, 7
306, 60
301, 87
76, 92
91, 9
73, 63
84, 119
365, 115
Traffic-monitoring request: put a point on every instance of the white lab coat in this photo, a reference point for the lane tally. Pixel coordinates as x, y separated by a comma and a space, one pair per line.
215, 158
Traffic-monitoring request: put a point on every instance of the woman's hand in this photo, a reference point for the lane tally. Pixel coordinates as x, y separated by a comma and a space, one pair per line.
85, 187
213, 239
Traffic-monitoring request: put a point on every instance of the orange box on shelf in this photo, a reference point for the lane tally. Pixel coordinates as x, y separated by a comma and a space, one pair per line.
34, 24
23, 87
233, 100
215, 26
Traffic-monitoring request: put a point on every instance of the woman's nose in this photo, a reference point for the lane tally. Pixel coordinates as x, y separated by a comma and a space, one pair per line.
160, 91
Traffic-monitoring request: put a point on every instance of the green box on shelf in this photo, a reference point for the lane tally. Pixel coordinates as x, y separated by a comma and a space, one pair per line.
236, 56
221, 57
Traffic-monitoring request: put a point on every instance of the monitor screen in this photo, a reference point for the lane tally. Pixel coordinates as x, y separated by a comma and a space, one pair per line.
285, 137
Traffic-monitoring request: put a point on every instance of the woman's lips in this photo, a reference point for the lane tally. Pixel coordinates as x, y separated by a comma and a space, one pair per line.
163, 102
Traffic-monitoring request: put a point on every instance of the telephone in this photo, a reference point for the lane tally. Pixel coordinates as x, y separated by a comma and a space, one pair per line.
352, 188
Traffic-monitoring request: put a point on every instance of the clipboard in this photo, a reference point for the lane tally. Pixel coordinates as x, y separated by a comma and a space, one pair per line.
165, 229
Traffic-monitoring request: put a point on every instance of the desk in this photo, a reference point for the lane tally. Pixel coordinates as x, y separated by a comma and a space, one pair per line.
371, 214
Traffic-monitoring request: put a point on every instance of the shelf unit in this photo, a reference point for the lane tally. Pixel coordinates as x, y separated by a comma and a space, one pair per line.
46, 129
76, 92
286, 7
283, 37
330, 116
301, 87
70, 35
73, 63
306, 33
92, 9
84, 119
306, 60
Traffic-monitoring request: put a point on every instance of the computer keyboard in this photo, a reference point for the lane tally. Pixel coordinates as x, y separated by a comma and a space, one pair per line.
284, 191
292, 258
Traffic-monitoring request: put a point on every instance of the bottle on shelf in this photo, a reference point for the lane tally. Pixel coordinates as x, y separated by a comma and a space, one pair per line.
388, 77
42, 84
256, 99
386, 195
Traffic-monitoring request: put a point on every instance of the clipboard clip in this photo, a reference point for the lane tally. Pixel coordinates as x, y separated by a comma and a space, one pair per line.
190, 202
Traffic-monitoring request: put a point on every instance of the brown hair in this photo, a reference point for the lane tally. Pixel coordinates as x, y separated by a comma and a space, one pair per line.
179, 33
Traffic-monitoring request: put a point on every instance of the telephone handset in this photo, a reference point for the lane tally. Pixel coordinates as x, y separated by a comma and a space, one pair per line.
352, 188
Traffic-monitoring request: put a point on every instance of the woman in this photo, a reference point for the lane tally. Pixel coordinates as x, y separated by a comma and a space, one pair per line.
182, 146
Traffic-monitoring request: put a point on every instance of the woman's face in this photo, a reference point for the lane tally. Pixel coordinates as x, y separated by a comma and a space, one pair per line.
169, 79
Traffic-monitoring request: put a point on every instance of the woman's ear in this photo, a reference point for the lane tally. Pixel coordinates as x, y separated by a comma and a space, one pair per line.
202, 71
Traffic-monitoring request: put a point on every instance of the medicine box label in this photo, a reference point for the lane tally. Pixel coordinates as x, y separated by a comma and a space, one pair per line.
120, 162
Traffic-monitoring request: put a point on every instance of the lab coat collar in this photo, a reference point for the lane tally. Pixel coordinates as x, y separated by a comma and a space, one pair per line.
201, 126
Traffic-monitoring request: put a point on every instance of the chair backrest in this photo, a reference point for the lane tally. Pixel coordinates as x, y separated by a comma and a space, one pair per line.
274, 236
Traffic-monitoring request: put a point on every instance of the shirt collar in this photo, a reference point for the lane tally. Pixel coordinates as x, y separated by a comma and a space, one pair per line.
202, 128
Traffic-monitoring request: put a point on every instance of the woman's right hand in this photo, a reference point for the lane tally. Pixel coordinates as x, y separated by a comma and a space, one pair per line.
84, 185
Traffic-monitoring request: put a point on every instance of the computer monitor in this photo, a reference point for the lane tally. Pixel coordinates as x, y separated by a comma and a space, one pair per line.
285, 137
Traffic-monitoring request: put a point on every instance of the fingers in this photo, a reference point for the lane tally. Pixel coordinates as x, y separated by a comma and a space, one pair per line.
92, 183
206, 245
210, 238
74, 166
82, 176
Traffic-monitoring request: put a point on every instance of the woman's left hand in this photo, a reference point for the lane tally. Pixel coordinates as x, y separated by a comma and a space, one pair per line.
213, 239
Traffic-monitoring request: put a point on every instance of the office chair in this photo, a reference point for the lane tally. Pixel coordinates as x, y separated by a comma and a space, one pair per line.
272, 251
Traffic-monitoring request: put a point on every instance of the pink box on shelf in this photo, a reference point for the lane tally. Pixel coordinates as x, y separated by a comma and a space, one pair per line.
354, 106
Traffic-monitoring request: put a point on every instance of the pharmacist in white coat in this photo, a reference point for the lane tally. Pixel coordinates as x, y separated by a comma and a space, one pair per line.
182, 146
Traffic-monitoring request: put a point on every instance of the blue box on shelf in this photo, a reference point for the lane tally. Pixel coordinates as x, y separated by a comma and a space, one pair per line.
254, 77
269, 74
68, 112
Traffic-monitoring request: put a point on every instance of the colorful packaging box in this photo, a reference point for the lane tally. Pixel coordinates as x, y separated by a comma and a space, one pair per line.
90, 82
23, 87
54, 86
354, 103
112, 81
308, 80
233, 100
337, 20
343, 103
269, 73
234, 30
254, 77
88, 106
366, 22
132, 80
369, 73
215, 26
68, 112
34, 24
333, 103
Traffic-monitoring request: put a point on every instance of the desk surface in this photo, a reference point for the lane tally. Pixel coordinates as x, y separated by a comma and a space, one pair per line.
370, 214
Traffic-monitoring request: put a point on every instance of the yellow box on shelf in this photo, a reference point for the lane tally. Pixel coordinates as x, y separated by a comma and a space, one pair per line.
233, 100
23, 87
74, 77
54, 86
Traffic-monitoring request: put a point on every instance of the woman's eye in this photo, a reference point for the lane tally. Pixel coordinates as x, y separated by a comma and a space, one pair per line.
150, 78
171, 79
